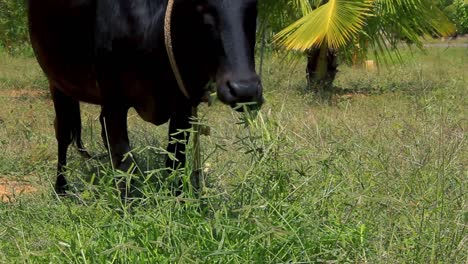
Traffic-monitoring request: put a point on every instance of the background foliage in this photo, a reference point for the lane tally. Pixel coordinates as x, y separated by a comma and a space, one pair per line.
13, 26
457, 11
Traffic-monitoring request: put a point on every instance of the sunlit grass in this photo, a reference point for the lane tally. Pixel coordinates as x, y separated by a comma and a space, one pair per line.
375, 177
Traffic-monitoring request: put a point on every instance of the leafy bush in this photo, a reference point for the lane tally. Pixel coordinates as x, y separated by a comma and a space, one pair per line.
13, 26
461, 12
457, 11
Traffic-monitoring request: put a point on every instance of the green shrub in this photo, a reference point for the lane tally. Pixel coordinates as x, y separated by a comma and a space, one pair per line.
13, 26
457, 11
461, 12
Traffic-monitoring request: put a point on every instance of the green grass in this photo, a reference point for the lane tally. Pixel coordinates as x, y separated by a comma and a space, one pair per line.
378, 177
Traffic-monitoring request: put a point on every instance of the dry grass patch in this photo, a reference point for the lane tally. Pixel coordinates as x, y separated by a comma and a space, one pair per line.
11, 189
16, 93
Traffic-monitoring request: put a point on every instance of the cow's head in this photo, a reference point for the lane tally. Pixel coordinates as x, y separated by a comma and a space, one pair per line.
231, 28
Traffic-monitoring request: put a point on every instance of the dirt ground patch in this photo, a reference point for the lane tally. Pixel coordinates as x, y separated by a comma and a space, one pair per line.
11, 189
22, 93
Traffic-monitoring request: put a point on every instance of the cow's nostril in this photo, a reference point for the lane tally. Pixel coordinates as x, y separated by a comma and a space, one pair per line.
234, 88
243, 90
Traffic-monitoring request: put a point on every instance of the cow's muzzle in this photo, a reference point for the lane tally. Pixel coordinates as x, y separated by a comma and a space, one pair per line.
242, 94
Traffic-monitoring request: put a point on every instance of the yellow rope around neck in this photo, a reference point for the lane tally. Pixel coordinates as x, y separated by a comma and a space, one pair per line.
170, 48
197, 182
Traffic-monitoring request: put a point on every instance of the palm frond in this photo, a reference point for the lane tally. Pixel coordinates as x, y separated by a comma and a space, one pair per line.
334, 23
402, 20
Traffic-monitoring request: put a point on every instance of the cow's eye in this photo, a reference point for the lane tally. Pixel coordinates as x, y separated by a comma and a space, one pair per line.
207, 14
209, 20
202, 8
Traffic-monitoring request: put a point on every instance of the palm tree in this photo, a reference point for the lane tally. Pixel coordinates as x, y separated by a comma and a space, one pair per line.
351, 28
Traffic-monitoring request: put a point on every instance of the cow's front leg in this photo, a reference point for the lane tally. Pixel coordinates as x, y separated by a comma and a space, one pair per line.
178, 139
115, 135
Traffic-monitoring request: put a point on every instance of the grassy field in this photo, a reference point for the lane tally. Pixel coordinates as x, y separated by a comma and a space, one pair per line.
378, 176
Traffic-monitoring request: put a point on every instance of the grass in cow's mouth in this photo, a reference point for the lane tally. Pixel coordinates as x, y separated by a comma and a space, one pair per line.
376, 175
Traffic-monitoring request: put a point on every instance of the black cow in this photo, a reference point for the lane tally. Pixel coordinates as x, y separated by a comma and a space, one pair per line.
112, 53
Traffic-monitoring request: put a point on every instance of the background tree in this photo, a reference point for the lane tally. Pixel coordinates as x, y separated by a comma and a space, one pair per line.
13, 25
349, 29
457, 11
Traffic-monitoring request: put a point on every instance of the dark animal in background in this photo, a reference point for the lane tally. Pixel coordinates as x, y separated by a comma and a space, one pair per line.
112, 53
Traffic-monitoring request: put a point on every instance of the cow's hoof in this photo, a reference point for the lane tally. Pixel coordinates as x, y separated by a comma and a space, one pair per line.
61, 190
85, 154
